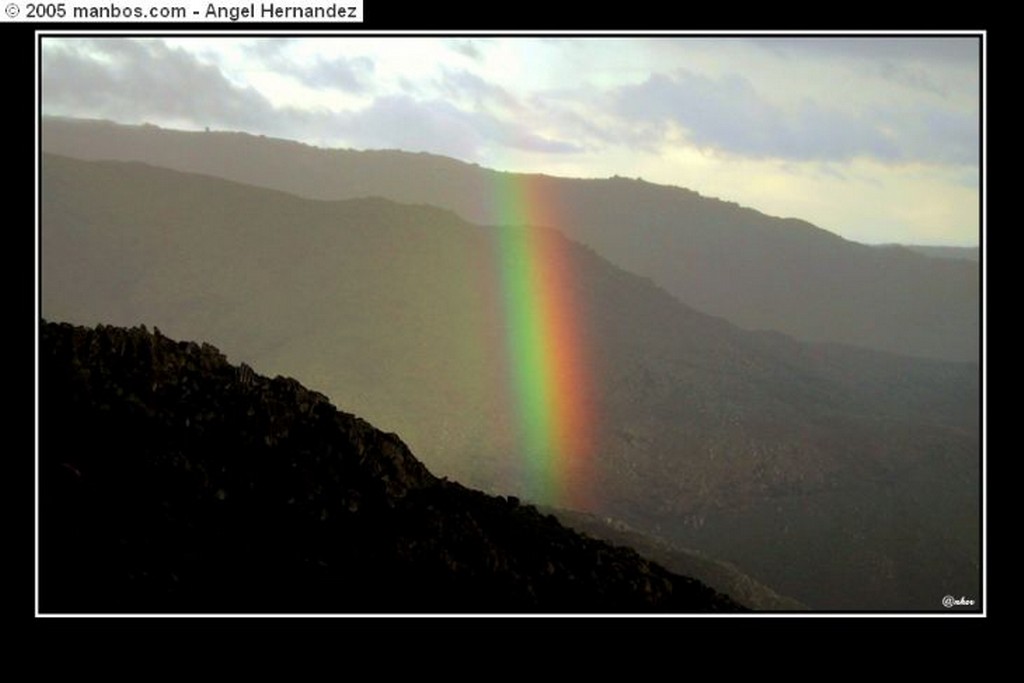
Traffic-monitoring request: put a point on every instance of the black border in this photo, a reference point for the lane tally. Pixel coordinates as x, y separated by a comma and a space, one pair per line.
413, 19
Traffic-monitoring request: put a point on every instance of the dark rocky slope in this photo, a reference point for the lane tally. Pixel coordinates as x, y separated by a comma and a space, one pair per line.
172, 481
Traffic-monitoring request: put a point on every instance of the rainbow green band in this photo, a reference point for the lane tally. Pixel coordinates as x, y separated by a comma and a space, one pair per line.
544, 343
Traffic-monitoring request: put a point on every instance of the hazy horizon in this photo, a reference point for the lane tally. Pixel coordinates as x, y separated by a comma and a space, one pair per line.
890, 157
974, 245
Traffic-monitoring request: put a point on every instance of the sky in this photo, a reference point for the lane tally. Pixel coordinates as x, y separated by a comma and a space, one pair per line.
873, 137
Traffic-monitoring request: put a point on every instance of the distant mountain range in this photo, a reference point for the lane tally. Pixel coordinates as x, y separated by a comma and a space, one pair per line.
173, 482
721, 575
757, 271
843, 477
965, 253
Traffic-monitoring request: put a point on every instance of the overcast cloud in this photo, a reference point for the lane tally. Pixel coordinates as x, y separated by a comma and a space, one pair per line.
729, 115
145, 81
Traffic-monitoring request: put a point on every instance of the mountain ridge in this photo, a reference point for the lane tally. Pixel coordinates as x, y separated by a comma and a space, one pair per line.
758, 271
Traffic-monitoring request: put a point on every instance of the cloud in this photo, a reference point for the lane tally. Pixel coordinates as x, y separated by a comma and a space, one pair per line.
728, 115
581, 114
936, 135
439, 126
337, 73
353, 75
462, 84
145, 80
467, 48
935, 65
137, 80
912, 77
538, 143
466, 114
399, 121
268, 49
958, 51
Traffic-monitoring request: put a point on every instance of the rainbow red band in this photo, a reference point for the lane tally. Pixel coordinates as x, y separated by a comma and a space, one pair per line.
545, 344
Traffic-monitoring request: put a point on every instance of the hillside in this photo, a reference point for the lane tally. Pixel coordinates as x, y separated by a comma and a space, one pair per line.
725, 577
172, 481
757, 271
842, 477
966, 253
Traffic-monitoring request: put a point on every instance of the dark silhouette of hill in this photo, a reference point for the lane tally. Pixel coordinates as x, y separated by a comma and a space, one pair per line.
843, 477
757, 271
172, 481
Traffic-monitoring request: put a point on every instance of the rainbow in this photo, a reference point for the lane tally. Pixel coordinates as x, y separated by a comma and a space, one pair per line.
545, 347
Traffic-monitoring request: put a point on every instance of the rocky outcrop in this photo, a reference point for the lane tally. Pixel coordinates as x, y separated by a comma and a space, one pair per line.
173, 481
